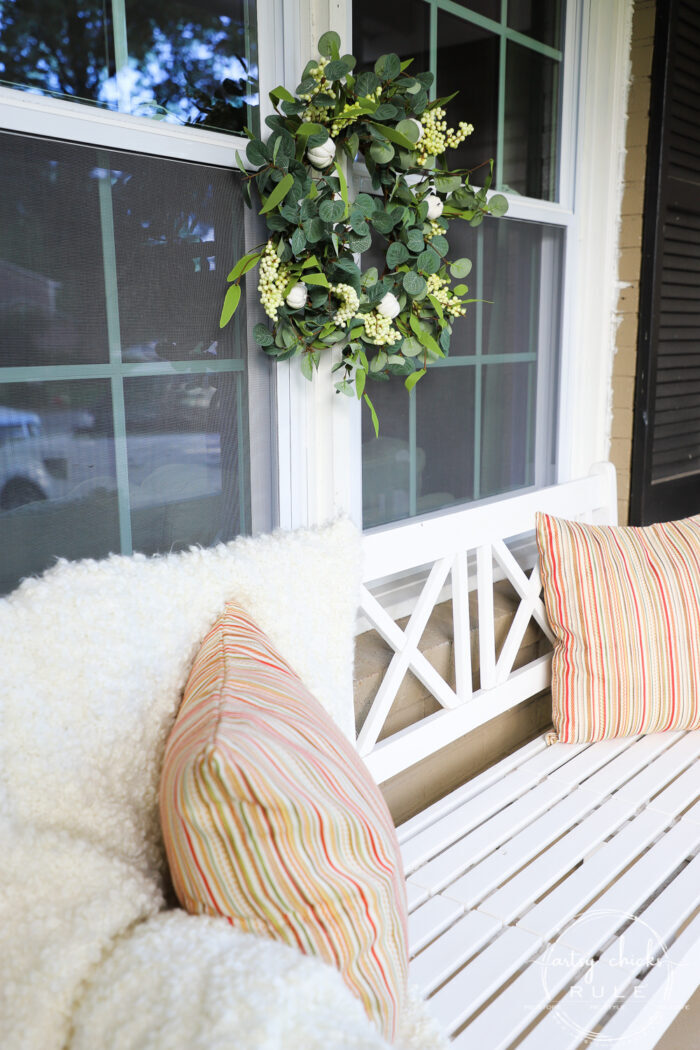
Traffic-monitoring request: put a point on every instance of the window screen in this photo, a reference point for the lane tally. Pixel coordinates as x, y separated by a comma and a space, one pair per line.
123, 407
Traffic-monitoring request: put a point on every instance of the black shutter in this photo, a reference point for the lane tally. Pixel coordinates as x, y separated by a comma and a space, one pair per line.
666, 450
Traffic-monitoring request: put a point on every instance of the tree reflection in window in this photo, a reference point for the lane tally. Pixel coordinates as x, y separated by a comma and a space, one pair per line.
185, 61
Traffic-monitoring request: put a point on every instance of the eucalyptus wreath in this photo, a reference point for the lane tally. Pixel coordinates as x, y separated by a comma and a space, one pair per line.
386, 321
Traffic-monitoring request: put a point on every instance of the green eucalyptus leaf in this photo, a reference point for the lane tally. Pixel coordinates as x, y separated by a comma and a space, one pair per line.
477, 220
460, 268
460, 289
231, 301
262, 335
440, 245
298, 241
314, 230
370, 277
381, 152
307, 86
447, 183
350, 61
414, 285
428, 261
366, 84
382, 222
386, 112
366, 204
256, 153
359, 244
307, 366
337, 69
378, 362
397, 253
409, 130
415, 241
329, 44
498, 205
331, 211
387, 67
411, 347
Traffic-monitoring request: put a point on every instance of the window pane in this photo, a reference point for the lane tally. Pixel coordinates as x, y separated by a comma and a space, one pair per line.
465, 47
183, 62
508, 436
489, 8
401, 26
123, 406
58, 493
183, 436
540, 19
388, 463
445, 413
530, 161
482, 422
52, 284
177, 234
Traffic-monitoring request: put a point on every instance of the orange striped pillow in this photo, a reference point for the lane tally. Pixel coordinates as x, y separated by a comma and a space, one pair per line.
271, 819
624, 605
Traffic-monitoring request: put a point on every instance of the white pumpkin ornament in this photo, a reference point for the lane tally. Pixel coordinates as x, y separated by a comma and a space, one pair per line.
419, 126
297, 296
321, 156
389, 306
435, 206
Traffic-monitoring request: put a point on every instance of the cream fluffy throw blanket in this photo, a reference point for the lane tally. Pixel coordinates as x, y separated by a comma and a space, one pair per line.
94, 657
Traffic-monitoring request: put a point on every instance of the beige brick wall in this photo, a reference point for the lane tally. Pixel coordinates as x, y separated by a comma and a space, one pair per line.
625, 363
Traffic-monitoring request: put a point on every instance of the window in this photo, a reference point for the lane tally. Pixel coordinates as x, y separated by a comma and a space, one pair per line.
125, 421
484, 420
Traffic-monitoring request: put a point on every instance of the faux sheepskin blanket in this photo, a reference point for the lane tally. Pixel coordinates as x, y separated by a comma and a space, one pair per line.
94, 657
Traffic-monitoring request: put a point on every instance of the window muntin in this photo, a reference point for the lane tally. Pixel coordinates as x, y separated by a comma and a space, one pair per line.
141, 399
504, 57
183, 62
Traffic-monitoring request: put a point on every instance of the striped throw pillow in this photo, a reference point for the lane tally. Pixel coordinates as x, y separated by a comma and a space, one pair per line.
624, 605
271, 819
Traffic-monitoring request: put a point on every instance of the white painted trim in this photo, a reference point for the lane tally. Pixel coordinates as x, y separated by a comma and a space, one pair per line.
585, 411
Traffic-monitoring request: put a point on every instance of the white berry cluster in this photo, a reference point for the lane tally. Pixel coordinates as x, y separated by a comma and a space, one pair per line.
378, 329
349, 303
437, 137
272, 281
439, 288
315, 114
434, 228
340, 120
318, 74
